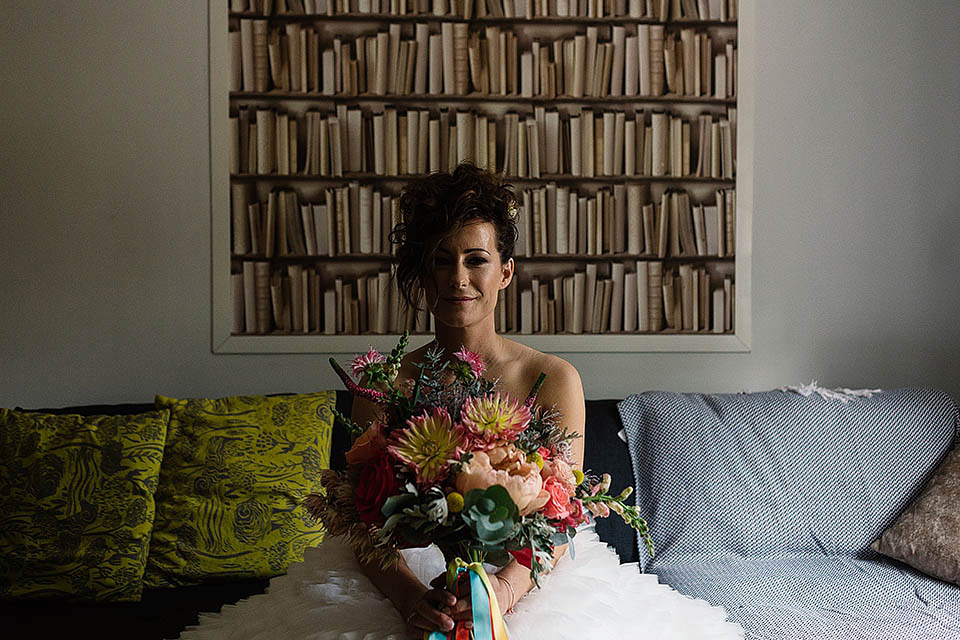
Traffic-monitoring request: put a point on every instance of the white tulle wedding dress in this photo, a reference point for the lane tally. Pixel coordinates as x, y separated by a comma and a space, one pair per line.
589, 596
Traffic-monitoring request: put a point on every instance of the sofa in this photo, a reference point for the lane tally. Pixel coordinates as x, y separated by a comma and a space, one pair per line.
768, 504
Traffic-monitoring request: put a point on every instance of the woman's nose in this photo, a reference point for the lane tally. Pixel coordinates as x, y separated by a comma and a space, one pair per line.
458, 276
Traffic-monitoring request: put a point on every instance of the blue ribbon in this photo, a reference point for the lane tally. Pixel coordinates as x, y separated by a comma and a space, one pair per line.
480, 604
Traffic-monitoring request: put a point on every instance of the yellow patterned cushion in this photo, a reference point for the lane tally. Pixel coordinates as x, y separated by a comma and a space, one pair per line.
76, 503
235, 471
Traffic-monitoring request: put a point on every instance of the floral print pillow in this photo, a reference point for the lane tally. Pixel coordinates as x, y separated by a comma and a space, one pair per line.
77, 503
234, 474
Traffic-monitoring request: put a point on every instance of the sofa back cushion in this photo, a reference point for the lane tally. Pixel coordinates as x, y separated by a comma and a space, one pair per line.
235, 471
77, 503
776, 472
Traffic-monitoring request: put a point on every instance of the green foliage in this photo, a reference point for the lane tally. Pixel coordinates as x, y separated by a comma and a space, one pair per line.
492, 514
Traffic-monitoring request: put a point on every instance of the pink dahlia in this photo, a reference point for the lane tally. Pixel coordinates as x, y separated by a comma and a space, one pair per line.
364, 360
472, 360
494, 418
428, 445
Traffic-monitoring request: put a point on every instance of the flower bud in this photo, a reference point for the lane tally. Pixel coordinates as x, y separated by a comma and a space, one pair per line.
454, 502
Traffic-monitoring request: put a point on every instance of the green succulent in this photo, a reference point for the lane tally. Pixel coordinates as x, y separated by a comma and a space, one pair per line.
491, 513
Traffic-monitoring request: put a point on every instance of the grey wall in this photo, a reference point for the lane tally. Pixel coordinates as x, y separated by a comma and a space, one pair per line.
104, 215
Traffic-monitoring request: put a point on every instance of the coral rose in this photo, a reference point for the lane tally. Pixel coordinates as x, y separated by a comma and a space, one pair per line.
507, 466
558, 506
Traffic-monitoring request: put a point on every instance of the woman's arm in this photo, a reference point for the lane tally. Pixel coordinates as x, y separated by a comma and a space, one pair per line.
422, 608
563, 391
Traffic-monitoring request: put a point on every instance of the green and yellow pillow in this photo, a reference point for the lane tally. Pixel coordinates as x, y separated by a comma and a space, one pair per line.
77, 503
235, 472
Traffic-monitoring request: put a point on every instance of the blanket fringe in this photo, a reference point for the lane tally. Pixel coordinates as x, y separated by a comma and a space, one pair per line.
842, 394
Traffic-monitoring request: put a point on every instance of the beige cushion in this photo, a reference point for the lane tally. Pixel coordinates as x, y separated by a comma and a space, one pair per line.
927, 535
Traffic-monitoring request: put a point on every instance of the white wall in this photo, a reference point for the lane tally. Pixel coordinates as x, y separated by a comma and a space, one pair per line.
104, 214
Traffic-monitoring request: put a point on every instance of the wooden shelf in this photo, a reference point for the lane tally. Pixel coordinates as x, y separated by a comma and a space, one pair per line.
430, 17
367, 98
558, 178
551, 258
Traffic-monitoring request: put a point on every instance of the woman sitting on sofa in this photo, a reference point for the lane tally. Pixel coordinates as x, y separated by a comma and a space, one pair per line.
455, 254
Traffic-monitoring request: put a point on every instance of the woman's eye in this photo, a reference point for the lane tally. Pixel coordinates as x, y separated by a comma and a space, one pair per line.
478, 261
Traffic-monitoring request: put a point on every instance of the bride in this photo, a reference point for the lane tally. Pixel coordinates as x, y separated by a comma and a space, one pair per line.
455, 246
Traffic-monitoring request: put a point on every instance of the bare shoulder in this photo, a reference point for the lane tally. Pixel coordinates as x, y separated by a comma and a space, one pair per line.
561, 388
562, 391
561, 375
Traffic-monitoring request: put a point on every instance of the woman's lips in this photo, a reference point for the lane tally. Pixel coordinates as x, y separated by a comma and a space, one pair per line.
458, 300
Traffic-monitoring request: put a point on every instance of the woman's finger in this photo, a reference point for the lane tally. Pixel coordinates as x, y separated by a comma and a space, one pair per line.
427, 617
440, 598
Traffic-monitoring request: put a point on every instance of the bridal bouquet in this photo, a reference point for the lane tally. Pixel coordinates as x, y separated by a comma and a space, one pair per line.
455, 462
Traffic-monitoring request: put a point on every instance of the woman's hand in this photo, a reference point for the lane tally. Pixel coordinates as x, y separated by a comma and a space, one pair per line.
433, 610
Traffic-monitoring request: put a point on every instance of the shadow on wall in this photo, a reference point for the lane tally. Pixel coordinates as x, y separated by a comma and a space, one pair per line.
887, 362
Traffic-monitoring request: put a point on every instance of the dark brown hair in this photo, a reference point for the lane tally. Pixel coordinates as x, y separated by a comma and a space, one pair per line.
437, 205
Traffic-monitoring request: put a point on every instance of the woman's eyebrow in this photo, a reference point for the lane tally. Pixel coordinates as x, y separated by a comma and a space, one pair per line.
446, 252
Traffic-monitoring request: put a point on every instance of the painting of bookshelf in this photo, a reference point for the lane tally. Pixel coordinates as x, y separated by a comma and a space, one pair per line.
617, 122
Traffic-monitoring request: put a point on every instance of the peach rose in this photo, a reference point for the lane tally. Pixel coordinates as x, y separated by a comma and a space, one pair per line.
507, 466
563, 472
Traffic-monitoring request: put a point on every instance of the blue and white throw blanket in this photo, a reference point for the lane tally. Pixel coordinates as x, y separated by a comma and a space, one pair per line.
767, 503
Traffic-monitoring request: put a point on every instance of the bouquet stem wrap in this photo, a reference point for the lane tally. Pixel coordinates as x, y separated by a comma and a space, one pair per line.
488, 623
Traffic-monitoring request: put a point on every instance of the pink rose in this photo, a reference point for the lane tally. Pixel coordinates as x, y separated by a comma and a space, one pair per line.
575, 517
507, 466
558, 506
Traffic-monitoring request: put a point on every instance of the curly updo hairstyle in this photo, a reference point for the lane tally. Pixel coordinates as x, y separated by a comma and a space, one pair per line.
438, 205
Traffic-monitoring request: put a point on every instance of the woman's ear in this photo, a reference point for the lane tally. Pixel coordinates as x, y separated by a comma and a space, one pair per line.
506, 273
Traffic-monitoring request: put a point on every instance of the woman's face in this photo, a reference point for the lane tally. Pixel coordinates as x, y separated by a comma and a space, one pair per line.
467, 276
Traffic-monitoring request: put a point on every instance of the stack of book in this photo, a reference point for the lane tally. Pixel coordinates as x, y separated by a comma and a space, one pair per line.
644, 297
648, 298
295, 299
449, 59
721, 10
557, 220
353, 219
580, 143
